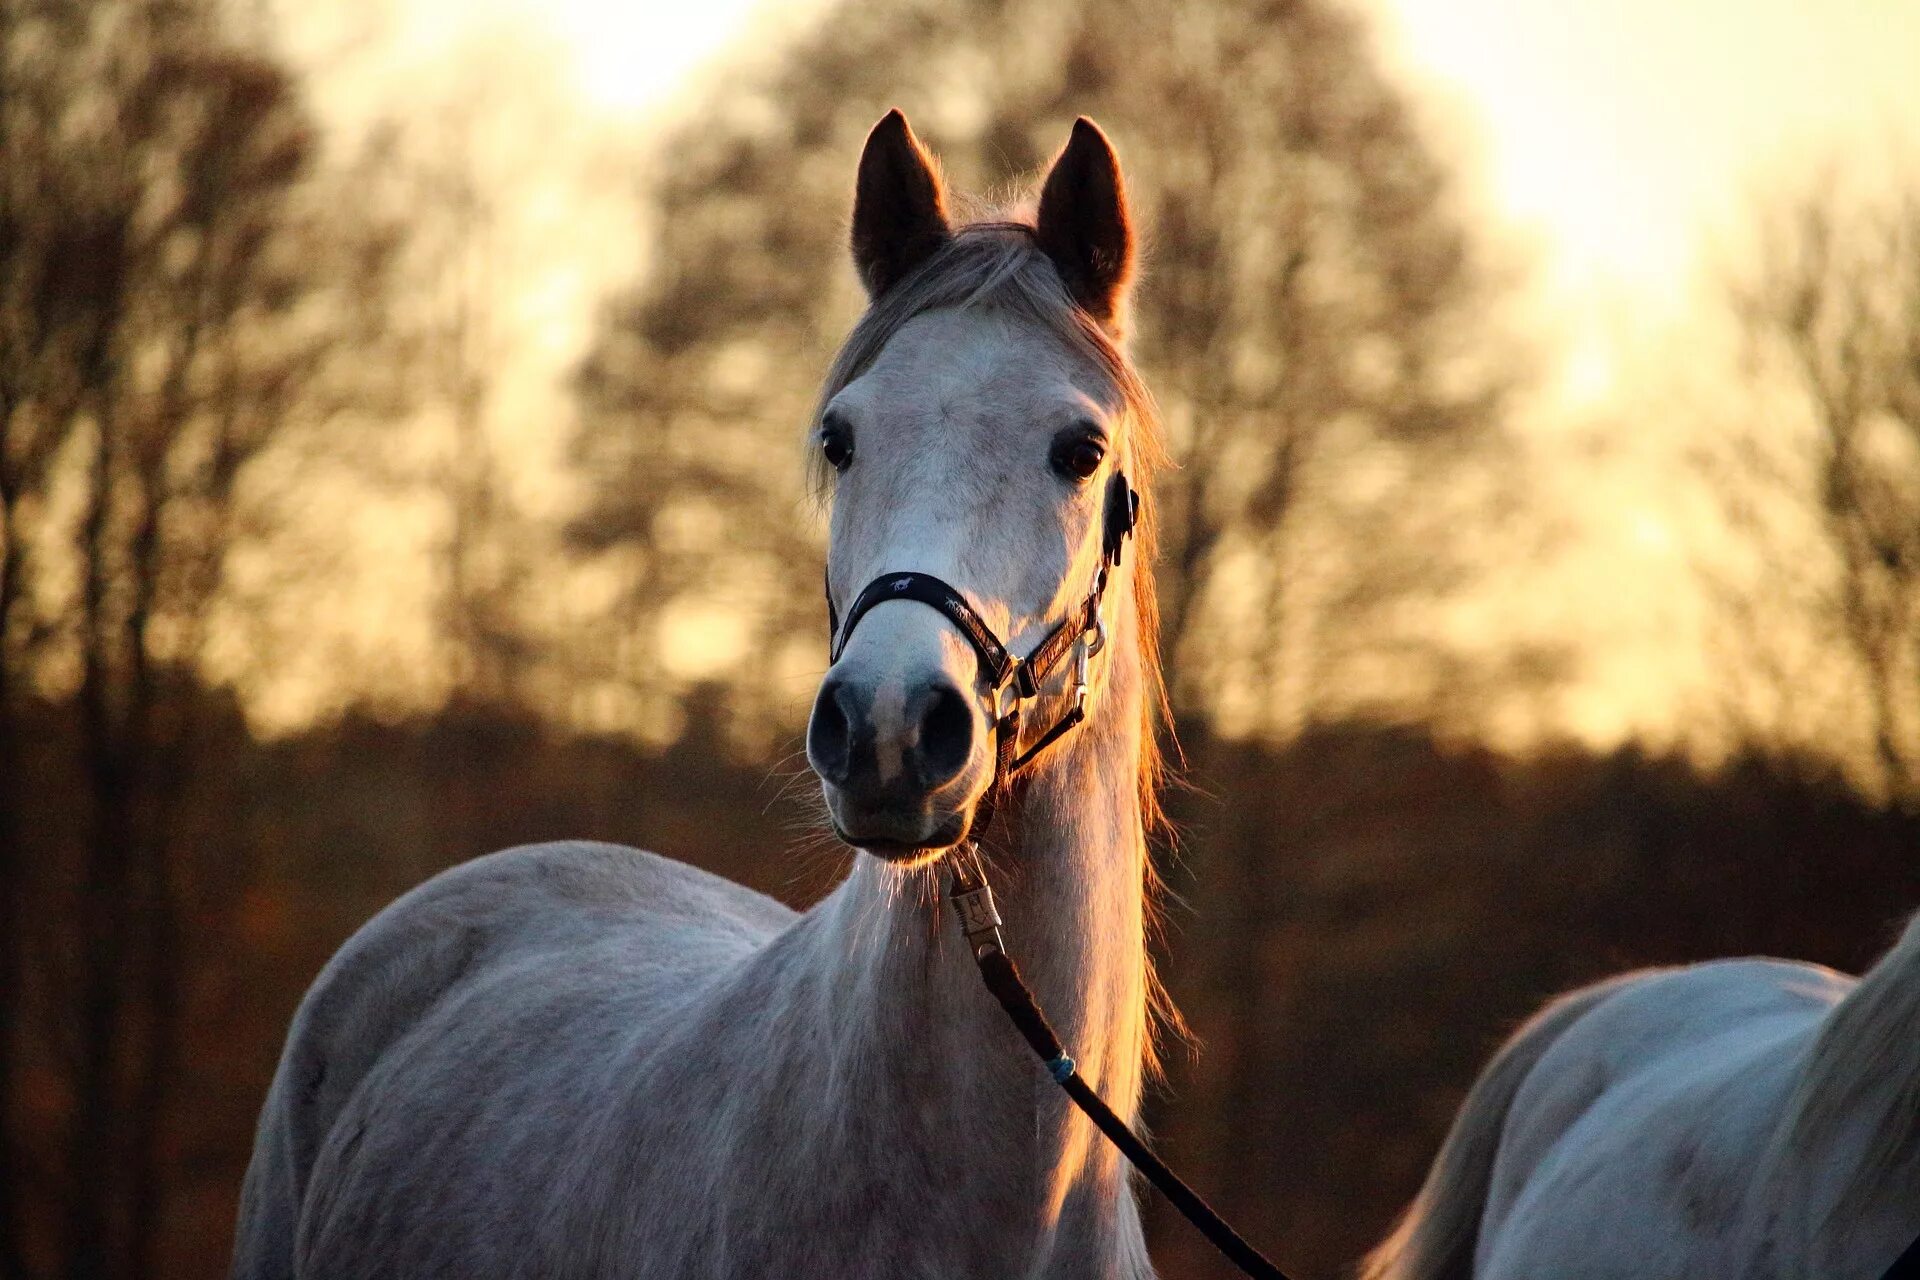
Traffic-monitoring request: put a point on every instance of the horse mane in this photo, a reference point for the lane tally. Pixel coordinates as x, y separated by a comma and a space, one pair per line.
1863, 1066
996, 263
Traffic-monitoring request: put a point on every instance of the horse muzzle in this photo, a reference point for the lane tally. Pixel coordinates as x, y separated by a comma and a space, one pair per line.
899, 762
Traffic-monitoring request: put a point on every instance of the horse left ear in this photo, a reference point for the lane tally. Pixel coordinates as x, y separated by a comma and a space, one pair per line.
899, 206
1083, 224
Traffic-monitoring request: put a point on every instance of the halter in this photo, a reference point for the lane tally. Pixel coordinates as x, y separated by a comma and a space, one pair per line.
1009, 682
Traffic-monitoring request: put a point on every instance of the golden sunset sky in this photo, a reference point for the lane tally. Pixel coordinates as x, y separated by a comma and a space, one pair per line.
1617, 134
1611, 147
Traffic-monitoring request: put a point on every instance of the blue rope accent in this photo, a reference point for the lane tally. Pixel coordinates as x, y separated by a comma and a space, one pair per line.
1061, 1066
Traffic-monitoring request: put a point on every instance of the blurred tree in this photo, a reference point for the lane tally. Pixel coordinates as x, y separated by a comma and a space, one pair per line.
1314, 318
485, 562
176, 295
1822, 482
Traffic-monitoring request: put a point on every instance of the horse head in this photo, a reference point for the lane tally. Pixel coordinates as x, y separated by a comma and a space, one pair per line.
976, 434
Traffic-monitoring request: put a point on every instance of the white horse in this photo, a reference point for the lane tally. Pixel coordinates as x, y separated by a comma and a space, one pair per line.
578, 1060
1749, 1119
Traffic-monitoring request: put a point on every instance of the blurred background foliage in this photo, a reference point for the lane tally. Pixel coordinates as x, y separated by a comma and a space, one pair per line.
250, 347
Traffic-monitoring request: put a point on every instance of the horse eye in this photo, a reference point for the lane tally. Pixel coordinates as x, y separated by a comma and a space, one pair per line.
836, 444
1077, 457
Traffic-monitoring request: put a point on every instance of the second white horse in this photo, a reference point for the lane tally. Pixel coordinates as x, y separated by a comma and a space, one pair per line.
1745, 1119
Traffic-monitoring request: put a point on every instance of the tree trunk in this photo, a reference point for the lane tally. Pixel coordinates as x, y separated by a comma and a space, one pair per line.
12, 864
160, 968
159, 1069
13, 1011
94, 1169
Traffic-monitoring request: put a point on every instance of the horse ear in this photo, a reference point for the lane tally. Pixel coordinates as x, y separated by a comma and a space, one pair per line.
899, 208
1083, 224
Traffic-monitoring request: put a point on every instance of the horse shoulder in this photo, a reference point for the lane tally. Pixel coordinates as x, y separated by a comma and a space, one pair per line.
405, 962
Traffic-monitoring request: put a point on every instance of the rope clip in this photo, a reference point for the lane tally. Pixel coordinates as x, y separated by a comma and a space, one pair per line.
972, 900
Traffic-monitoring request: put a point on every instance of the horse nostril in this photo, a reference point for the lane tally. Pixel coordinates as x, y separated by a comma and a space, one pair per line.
830, 734
926, 745
946, 734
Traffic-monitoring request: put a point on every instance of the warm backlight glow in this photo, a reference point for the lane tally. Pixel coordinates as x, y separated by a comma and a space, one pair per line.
1627, 131
632, 55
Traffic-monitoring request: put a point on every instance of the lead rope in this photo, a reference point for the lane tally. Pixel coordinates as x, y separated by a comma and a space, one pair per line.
972, 900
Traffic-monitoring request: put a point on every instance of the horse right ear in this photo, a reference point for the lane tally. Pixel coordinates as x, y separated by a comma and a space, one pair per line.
899, 207
1083, 224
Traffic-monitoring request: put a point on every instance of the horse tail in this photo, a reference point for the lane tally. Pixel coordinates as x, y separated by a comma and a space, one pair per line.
1435, 1239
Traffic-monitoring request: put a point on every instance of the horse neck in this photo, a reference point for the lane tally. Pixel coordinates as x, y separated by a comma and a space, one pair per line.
1066, 860
1072, 887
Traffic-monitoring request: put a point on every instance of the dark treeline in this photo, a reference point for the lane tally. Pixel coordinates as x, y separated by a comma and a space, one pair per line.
1414, 900
279, 850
